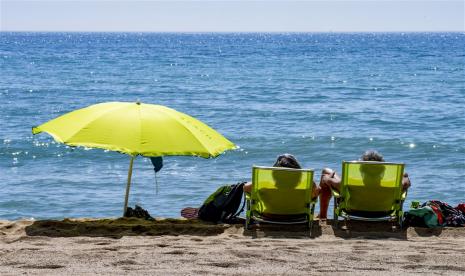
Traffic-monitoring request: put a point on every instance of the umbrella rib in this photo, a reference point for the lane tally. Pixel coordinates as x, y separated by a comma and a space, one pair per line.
93, 120
187, 128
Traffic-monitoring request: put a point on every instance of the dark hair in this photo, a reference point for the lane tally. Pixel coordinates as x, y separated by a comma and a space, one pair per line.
288, 161
372, 155
287, 180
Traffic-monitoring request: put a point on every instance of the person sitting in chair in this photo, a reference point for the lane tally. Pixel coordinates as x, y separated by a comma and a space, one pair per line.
286, 161
331, 180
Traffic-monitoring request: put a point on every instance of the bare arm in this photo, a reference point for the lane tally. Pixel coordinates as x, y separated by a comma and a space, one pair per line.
406, 182
330, 178
248, 187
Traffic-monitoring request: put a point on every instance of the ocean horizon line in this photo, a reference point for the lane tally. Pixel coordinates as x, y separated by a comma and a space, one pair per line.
234, 32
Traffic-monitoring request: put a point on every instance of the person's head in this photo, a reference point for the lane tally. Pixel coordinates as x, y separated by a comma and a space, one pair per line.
290, 179
287, 161
372, 155
371, 172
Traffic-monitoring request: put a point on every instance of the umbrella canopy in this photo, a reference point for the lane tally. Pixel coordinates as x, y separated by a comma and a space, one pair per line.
136, 129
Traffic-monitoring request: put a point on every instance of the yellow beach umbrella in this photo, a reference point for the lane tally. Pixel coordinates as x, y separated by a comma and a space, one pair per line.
136, 129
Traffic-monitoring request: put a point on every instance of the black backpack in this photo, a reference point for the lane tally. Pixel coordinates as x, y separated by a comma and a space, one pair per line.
222, 205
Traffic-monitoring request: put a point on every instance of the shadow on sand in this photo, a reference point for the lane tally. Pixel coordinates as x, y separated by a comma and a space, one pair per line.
117, 228
367, 230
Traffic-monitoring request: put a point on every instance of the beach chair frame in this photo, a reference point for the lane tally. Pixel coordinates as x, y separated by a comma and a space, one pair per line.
252, 215
396, 214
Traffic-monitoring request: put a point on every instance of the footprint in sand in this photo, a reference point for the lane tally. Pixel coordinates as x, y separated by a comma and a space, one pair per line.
196, 239
370, 268
305, 245
276, 260
332, 270
12, 263
29, 249
179, 252
357, 249
40, 244
360, 247
415, 258
125, 262
353, 258
103, 243
289, 249
413, 266
447, 268
247, 254
360, 252
47, 266
201, 272
292, 247
110, 248
85, 241
222, 264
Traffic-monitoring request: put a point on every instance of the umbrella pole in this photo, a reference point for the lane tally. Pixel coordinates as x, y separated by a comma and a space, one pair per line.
128, 185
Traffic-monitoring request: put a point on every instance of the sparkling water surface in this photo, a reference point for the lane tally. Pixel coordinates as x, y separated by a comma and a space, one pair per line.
322, 97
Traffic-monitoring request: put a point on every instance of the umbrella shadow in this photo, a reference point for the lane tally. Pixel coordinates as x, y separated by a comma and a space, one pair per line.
117, 228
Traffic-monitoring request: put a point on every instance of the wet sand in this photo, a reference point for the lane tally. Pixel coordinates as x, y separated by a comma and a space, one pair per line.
181, 247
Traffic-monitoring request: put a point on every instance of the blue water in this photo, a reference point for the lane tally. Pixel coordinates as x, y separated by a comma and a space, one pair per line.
323, 97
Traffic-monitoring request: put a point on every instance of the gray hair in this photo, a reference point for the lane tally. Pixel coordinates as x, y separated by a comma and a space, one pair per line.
372, 155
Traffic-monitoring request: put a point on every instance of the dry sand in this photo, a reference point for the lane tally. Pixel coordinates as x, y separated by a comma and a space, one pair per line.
181, 247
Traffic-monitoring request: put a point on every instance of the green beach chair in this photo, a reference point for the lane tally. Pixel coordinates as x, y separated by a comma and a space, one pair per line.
280, 195
370, 191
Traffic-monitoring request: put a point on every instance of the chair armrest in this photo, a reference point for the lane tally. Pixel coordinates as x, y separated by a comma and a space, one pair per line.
335, 193
403, 196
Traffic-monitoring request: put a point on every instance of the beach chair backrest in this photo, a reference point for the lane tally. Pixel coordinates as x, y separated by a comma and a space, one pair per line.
371, 186
281, 191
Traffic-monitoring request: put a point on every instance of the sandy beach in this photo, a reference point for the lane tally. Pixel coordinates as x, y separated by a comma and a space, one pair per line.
181, 247
166, 104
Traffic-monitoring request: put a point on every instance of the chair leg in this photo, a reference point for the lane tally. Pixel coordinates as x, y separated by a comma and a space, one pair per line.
310, 225
248, 222
401, 220
346, 224
335, 216
247, 215
394, 225
311, 217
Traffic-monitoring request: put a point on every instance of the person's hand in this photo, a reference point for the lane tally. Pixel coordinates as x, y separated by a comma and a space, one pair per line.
328, 171
406, 182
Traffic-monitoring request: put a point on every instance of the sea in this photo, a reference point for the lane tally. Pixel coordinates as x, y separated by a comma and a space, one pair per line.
324, 97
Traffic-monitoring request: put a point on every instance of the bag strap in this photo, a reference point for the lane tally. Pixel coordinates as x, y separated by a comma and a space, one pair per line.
240, 210
233, 216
